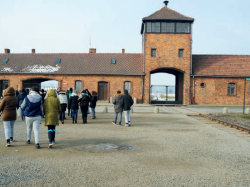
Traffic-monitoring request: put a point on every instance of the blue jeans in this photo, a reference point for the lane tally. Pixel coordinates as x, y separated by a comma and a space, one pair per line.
21, 112
74, 112
93, 112
120, 117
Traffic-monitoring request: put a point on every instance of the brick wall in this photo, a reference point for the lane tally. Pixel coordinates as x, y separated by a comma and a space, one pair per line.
215, 91
167, 47
88, 81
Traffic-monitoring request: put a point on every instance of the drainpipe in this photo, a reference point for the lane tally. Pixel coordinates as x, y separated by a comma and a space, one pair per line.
143, 52
193, 90
191, 61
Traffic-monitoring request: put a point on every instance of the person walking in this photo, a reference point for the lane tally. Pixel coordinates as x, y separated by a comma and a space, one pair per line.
118, 102
68, 94
93, 101
128, 102
63, 101
51, 108
8, 108
73, 106
21, 97
84, 104
32, 106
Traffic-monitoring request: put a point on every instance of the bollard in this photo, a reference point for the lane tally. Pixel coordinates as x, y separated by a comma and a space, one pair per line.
225, 110
132, 110
248, 111
156, 109
105, 109
135, 100
111, 99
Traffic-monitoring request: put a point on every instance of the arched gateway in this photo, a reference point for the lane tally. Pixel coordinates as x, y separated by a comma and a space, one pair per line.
167, 94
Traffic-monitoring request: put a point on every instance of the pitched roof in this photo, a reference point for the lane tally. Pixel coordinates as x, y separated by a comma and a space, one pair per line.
221, 65
73, 63
166, 13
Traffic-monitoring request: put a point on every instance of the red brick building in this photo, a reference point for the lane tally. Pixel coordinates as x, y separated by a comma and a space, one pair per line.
167, 48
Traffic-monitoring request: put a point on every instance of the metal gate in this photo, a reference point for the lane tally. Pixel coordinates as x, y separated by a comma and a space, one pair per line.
166, 95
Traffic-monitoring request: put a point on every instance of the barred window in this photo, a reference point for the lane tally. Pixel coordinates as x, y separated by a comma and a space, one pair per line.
231, 88
127, 86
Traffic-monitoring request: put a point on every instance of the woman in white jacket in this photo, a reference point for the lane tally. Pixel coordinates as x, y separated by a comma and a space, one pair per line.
63, 101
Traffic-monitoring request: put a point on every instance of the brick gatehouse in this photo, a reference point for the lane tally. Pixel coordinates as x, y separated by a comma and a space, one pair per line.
167, 48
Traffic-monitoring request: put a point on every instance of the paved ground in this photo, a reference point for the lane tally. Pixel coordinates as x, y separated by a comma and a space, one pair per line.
166, 149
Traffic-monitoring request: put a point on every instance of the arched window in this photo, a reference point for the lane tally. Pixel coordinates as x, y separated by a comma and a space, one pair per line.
78, 86
127, 86
231, 88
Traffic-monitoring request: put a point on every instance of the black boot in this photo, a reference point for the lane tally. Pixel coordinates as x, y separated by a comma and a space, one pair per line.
73, 120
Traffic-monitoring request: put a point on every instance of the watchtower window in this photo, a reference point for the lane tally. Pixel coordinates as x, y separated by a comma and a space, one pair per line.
181, 52
5, 61
149, 27
153, 52
163, 27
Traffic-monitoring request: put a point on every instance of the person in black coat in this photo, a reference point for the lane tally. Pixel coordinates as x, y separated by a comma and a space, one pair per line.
127, 103
21, 97
73, 106
84, 104
93, 101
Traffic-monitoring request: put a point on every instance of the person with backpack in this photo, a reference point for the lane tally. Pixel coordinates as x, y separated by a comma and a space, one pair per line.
21, 97
118, 102
63, 101
128, 102
8, 108
73, 106
84, 104
93, 101
32, 106
51, 108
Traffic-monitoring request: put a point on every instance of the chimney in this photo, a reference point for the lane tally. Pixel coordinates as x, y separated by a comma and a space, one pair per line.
166, 3
123, 50
6, 51
92, 50
33, 51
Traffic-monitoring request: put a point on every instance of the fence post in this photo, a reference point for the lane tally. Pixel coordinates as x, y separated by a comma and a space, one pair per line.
156, 110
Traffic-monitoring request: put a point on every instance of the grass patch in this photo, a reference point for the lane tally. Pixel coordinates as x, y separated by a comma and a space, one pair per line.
243, 115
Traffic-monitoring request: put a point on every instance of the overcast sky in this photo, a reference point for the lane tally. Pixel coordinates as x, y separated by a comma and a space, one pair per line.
70, 26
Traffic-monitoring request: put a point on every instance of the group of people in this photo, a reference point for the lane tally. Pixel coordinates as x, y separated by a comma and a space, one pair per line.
35, 105
53, 105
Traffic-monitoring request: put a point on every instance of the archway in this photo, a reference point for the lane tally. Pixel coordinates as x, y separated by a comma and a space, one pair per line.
37, 82
166, 86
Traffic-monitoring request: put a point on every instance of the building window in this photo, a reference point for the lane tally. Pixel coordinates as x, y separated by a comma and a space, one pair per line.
182, 27
181, 52
231, 88
163, 27
127, 86
78, 86
153, 52
113, 61
149, 27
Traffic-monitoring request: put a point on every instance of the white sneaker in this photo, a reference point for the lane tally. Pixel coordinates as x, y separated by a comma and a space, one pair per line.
53, 142
126, 125
50, 146
8, 144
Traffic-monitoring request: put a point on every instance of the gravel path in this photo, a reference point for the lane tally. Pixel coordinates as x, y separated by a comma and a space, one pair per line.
158, 150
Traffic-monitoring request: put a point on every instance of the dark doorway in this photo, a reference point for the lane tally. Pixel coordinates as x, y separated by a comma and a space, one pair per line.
103, 91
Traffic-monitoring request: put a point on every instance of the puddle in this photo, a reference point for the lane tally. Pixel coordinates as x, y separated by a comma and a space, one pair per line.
110, 147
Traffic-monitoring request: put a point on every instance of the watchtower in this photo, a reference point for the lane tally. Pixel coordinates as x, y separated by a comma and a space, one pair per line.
167, 48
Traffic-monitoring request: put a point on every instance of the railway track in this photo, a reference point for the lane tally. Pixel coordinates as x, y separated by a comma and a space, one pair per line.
235, 129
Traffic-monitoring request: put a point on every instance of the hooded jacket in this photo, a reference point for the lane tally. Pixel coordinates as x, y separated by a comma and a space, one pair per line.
32, 104
8, 105
63, 100
51, 108
128, 101
84, 99
73, 101
118, 102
